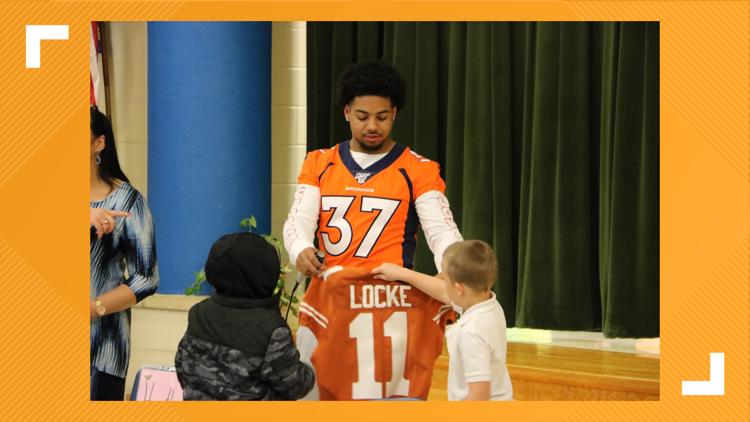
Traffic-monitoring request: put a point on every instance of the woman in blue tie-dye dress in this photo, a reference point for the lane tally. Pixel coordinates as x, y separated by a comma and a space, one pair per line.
123, 261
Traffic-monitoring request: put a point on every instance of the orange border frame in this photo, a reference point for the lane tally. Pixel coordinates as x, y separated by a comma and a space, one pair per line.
704, 208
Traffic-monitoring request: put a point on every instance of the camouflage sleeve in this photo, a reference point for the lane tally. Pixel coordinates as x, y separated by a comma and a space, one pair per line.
178, 361
282, 369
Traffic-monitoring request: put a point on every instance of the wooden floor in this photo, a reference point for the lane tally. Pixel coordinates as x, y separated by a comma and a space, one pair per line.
543, 372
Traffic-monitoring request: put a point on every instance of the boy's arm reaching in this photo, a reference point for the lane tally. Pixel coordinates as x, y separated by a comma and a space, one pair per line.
282, 369
432, 286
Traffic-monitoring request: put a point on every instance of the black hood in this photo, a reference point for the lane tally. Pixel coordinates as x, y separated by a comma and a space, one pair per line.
243, 265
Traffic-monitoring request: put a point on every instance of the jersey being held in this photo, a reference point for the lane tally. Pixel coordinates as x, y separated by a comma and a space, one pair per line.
368, 216
375, 339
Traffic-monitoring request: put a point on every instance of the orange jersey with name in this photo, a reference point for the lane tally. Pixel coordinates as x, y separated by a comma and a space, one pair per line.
368, 216
375, 339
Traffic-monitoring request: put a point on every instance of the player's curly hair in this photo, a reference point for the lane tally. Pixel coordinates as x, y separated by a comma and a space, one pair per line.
372, 77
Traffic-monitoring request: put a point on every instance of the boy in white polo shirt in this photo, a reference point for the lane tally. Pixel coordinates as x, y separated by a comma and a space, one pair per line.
476, 343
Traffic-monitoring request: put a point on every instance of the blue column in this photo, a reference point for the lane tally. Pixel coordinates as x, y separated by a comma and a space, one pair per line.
209, 138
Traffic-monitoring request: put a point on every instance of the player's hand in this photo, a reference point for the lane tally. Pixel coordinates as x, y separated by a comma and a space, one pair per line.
308, 263
389, 272
103, 220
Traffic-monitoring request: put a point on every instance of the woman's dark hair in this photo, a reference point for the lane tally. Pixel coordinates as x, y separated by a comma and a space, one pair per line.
109, 168
373, 77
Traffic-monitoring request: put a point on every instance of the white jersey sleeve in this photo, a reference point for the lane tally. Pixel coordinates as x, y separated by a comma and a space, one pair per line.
302, 221
436, 219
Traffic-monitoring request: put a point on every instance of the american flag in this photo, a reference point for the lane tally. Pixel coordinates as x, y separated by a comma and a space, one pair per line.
97, 63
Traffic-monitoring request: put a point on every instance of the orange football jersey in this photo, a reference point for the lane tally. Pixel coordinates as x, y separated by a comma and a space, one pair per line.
368, 216
375, 339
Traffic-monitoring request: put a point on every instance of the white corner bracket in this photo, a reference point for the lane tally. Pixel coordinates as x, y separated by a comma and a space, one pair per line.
715, 384
34, 36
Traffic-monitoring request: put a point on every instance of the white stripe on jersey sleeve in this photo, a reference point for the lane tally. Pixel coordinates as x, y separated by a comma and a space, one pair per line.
311, 315
443, 309
317, 316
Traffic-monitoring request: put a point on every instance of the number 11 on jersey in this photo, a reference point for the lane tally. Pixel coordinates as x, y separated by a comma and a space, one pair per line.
361, 329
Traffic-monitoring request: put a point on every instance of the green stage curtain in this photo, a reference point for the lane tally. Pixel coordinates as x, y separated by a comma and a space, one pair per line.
548, 138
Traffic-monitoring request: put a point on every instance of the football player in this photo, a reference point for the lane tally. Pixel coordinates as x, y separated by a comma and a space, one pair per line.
365, 199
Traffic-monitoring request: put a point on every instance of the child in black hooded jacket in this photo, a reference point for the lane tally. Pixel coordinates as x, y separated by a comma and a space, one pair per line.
237, 345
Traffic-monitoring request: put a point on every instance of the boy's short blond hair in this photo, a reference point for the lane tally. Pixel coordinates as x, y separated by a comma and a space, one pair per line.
472, 263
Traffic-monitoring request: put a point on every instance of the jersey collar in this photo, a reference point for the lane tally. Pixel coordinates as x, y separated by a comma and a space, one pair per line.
380, 165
